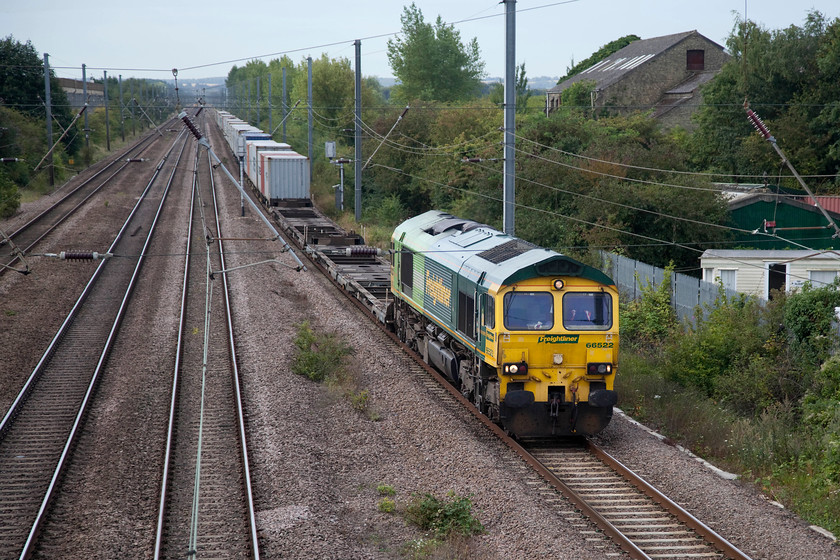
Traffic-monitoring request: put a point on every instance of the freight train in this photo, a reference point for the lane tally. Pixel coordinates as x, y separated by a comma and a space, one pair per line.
529, 335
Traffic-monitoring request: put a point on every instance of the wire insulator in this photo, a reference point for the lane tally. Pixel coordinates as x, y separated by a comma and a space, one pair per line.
359, 250
81, 255
759, 125
184, 117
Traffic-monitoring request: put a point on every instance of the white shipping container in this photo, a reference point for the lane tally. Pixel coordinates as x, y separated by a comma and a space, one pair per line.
237, 144
232, 126
254, 147
284, 175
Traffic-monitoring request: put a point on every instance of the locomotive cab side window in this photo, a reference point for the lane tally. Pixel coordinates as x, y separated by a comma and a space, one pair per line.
529, 311
587, 311
489, 311
466, 314
406, 270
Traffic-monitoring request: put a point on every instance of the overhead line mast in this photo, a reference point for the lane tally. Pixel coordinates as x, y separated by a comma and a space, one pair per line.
509, 181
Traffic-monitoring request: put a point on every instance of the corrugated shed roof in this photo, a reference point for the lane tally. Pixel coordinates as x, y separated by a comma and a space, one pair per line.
830, 203
612, 68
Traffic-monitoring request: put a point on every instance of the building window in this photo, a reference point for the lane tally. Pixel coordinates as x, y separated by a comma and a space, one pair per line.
729, 278
820, 278
695, 60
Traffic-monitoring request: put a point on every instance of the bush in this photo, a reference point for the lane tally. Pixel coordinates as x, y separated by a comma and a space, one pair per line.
444, 517
809, 316
319, 357
9, 196
650, 319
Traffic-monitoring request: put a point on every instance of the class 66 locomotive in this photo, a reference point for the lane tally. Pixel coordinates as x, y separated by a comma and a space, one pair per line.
530, 336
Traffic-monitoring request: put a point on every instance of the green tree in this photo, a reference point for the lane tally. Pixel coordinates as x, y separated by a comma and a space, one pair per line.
22, 85
523, 93
431, 62
788, 76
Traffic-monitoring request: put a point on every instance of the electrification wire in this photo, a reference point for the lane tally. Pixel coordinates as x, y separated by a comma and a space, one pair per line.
592, 224
448, 149
612, 176
642, 168
619, 204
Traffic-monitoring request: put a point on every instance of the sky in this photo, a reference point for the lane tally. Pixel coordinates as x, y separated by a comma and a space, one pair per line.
206, 38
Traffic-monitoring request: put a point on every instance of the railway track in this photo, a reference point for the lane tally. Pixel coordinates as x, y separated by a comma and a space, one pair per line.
38, 433
206, 506
638, 519
16, 245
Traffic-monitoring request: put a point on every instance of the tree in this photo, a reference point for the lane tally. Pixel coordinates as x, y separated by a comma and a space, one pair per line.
523, 93
789, 77
431, 62
22, 84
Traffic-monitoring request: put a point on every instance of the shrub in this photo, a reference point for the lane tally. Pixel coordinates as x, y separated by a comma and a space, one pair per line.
9, 196
809, 316
320, 356
386, 490
650, 319
444, 517
387, 505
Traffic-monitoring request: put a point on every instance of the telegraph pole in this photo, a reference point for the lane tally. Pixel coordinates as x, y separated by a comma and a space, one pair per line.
107, 123
358, 131
309, 94
87, 128
510, 117
122, 116
48, 97
270, 127
283, 104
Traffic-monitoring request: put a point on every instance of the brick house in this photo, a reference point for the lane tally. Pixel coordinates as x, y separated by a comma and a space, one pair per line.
662, 74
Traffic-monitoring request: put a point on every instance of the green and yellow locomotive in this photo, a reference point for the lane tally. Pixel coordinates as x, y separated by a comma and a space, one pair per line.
529, 335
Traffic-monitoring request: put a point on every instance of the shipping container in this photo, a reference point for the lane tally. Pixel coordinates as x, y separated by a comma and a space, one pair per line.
253, 148
283, 176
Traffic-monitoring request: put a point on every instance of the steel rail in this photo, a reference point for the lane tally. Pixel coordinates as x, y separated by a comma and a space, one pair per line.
670, 506
240, 416
76, 427
173, 405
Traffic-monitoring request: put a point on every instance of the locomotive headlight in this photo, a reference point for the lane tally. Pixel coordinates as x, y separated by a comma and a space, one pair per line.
594, 368
557, 284
520, 368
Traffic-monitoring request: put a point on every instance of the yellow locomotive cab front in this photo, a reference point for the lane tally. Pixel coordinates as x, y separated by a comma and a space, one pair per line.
557, 348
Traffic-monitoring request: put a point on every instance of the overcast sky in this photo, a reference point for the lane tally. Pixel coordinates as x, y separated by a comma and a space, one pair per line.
205, 38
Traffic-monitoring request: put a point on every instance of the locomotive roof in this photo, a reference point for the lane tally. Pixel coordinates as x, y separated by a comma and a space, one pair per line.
479, 252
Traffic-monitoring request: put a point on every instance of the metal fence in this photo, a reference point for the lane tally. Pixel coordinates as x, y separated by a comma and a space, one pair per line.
687, 292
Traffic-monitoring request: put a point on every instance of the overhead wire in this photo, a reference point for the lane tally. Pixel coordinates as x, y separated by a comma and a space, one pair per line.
643, 168
660, 242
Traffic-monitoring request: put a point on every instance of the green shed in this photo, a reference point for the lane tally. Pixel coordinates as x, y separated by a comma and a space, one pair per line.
781, 221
